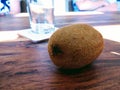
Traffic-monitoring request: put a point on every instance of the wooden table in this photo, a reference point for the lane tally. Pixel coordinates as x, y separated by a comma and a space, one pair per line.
26, 66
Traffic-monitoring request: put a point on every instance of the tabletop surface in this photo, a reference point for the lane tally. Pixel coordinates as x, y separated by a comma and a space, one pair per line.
25, 65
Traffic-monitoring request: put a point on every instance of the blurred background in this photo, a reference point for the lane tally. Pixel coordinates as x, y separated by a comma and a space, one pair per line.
19, 6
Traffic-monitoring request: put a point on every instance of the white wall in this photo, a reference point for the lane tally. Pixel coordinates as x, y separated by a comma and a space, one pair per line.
60, 6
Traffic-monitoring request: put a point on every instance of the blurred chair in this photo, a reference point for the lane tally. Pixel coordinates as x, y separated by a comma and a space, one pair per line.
23, 6
4, 7
70, 5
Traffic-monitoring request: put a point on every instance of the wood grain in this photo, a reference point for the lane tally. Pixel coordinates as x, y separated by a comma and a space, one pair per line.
27, 66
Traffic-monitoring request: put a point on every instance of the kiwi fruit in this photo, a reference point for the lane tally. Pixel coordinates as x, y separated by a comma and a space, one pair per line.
75, 46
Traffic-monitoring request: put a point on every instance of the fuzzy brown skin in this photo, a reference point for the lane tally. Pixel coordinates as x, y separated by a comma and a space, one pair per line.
75, 46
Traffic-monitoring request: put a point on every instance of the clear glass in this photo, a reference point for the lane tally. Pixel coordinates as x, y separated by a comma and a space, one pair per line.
41, 15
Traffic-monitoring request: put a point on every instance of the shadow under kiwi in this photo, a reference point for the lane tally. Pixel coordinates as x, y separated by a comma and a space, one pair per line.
76, 71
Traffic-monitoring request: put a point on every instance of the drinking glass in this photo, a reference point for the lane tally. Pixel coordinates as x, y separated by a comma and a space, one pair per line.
41, 16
